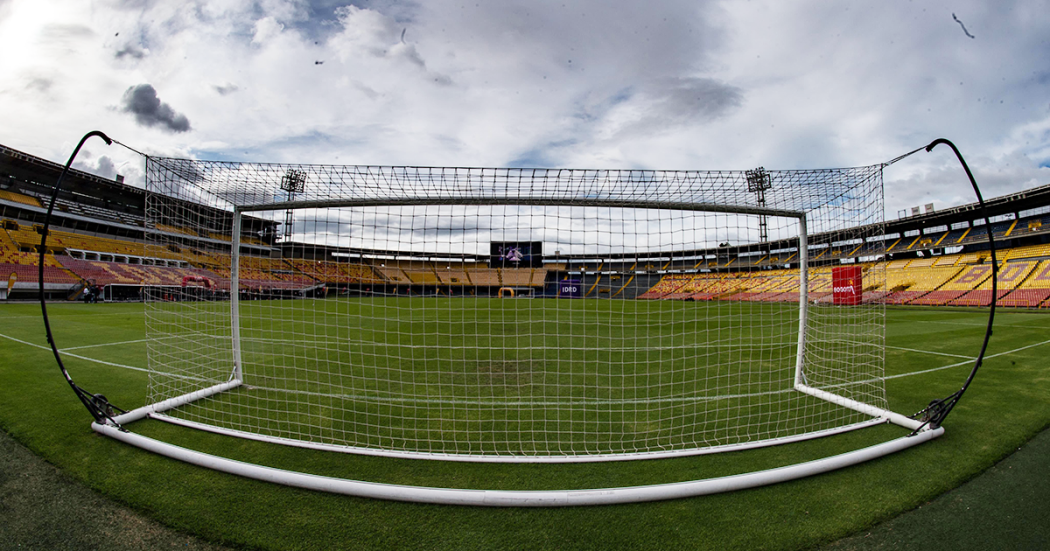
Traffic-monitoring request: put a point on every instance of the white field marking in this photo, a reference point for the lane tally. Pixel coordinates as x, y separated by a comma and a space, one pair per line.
980, 322
966, 362
931, 352
103, 362
585, 402
102, 344
678, 399
372, 398
59, 313
340, 345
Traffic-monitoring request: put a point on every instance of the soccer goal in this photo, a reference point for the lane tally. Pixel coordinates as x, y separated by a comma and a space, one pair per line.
517, 315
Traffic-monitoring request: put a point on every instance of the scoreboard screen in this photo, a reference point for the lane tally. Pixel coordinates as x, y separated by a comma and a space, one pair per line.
516, 254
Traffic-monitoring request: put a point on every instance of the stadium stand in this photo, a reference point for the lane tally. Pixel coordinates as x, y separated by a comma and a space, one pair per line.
392, 274
262, 273
1028, 252
945, 292
516, 277
1011, 276
421, 275
483, 277
452, 276
99, 234
334, 272
24, 265
19, 198
909, 283
1034, 290
6, 244
116, 273
667, 286
819, 285
30, 275
178, 230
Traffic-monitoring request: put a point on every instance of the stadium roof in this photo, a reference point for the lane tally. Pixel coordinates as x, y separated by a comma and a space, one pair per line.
997, 206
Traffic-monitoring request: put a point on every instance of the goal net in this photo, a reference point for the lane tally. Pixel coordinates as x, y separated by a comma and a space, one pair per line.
516, 314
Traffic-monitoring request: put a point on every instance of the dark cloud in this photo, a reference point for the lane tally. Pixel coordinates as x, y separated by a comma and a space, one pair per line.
40, 85
106, 168
696, 98
59, 33
131, 50
142, 101
630, 43
225, 89
103, 167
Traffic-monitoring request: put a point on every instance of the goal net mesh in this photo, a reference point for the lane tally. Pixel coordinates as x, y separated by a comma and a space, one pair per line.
515, 312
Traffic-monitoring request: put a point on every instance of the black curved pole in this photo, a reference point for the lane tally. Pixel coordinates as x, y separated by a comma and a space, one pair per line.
939, 409
96, 404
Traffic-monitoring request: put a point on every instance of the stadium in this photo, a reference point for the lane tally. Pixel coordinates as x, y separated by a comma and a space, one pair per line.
932, 258
171, 261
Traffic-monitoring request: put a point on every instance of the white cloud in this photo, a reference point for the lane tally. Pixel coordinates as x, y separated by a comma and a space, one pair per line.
266, 29
670, 84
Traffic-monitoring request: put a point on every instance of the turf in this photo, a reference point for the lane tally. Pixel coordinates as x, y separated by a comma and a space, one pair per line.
521, 377
1005, 508
1006, 407
42, 509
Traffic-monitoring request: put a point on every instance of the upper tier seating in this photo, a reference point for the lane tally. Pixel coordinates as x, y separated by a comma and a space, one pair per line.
19, 198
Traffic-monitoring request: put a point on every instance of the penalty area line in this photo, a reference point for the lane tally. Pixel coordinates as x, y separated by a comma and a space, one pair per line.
931, 352
77, 356
958, 364
102, 344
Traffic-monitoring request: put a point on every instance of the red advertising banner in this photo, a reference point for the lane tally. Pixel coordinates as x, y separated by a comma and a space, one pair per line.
847, 285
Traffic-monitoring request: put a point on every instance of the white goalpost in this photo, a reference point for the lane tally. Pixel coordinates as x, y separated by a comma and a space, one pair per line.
365, 310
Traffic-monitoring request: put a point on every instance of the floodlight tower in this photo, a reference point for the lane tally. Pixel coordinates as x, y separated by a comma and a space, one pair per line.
293, 181
758, 181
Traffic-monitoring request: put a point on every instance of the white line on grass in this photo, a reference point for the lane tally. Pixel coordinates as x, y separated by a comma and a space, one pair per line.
979, 322
102, 344
66, 313
677, 399
931, 352
642, 401
103, 362
967, 362
373, 398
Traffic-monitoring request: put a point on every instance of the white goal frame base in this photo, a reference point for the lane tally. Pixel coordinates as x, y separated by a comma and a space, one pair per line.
520, 498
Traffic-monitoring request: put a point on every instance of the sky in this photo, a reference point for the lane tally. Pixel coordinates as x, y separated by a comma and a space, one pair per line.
610, 84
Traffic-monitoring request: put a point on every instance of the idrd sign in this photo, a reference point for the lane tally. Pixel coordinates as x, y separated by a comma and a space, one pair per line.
570, 288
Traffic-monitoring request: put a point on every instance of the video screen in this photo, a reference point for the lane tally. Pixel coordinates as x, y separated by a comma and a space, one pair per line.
516, 254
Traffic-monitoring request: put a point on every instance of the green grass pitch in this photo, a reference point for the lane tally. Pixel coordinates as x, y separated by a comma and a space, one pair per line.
516, 377
928, 354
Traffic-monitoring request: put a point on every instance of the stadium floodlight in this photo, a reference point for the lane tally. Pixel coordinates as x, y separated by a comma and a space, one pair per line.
293, 182
758, 182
